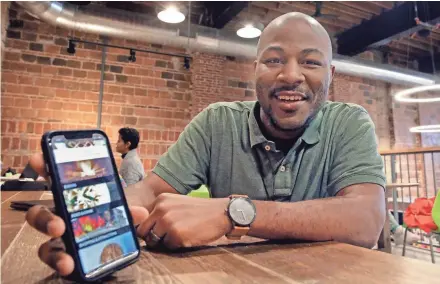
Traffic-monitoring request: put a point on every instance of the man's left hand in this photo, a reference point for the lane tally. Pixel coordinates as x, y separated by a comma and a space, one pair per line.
183, 221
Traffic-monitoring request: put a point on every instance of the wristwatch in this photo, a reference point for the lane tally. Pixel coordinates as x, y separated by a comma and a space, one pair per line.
242, 212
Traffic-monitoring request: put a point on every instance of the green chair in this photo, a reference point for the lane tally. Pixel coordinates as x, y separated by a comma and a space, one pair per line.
202, 192
436, 210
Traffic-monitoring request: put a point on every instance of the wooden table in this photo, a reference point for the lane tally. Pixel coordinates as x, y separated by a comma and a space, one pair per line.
251, 261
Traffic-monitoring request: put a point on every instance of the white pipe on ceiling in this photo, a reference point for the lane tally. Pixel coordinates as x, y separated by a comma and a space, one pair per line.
112, 23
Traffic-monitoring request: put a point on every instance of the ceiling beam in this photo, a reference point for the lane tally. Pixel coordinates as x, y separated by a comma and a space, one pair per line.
348, 10
364, 7
310, 8
328, 8
279, 8
224, 12
390, 25
415, 44
383, 4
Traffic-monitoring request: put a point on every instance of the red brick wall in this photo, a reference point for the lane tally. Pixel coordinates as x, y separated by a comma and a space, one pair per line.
217, 78
152, 95
44, 87
369, 94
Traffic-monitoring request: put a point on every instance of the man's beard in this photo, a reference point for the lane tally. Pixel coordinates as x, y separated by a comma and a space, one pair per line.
319, 97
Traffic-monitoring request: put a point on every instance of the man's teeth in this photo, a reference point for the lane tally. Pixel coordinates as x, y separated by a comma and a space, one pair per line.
290, 98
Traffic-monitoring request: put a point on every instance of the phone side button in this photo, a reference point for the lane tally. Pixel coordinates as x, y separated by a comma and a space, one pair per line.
47, 168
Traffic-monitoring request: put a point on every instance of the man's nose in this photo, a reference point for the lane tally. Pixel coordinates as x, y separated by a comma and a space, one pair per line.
291, 74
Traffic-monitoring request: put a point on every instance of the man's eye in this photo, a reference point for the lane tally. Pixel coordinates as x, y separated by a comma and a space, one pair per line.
272, 61
312, 62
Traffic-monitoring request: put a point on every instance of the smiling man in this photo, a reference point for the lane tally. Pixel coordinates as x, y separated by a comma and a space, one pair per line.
290, 166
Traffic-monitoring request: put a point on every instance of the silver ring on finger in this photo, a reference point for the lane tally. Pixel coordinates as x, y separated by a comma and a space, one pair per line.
152, 239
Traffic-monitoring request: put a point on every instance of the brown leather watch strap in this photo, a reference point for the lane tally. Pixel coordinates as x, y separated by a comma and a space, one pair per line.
237, 196
237, 232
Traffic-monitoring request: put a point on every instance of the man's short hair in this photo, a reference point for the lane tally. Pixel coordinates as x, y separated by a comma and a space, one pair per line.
130, 135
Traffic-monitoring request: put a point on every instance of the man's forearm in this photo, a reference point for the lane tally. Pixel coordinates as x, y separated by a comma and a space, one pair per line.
144, 193
140, 194
354, 220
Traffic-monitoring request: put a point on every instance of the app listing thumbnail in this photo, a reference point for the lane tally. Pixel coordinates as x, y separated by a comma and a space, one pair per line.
84, 170
86, 197
99, 223
104, 252
80, 143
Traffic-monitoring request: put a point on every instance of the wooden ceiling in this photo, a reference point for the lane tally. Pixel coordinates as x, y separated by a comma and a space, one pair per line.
336, 17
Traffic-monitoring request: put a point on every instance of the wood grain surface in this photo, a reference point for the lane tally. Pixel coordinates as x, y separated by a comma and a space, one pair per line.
247, 261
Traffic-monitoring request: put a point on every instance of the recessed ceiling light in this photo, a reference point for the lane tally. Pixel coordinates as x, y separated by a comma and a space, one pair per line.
249, 31
171, 15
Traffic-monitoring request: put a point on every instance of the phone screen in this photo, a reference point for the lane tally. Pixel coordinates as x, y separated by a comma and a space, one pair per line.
98, 217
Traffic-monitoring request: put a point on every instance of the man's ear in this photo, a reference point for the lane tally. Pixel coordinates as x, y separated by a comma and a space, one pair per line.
332, 69
128, 144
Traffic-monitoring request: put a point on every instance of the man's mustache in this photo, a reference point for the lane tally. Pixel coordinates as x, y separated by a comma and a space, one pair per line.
274, 91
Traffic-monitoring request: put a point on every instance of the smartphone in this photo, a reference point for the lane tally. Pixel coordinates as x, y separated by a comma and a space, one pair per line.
87, 191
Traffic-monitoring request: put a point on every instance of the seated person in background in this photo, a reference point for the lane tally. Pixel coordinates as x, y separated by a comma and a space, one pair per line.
132, 170
310, 167
398, 232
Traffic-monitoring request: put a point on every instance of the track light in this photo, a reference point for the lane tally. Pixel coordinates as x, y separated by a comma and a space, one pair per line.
132, 56
71, 48
186, 63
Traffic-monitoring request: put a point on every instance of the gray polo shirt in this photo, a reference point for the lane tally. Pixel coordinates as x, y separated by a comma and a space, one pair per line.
224, 148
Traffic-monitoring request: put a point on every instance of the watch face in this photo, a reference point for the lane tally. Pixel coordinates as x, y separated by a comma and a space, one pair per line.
242, 211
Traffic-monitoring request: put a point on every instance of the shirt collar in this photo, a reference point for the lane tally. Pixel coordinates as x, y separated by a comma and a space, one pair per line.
310, 135
255, 135
130, 153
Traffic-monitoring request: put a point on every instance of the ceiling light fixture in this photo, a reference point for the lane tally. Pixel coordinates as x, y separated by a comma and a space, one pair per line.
404, 96
171, 15
425, 128
249, 31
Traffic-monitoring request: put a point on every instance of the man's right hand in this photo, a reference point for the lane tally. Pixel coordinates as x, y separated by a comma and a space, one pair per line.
53, 252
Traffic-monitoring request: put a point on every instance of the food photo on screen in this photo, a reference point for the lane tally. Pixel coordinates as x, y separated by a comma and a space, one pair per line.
84, 170
80, 143
69, 144
106, 251
86, 197
99, 223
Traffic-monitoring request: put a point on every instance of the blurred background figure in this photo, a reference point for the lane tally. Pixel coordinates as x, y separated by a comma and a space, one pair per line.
398, 232
132, 170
